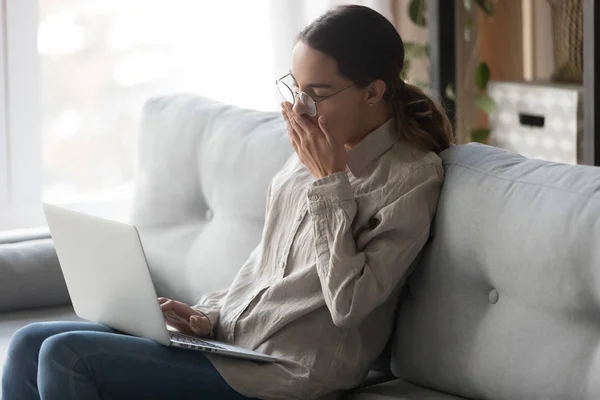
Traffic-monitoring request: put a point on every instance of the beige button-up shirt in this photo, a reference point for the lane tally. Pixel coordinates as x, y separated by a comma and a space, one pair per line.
320, 290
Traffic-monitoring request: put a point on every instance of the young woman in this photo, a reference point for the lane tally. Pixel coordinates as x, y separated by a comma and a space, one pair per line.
346, 217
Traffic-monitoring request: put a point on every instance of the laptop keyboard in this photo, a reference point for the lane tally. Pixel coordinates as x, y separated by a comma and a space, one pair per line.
192, 340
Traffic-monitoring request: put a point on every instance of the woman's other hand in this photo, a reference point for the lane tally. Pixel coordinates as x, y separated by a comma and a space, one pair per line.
184, 318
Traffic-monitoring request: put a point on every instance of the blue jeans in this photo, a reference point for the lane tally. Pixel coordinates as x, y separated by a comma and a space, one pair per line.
85, 361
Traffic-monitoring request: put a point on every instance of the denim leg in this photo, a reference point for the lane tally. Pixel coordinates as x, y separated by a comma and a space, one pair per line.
19, 376
97, 365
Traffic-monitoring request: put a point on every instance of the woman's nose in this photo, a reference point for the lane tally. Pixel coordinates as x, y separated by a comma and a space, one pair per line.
299, 107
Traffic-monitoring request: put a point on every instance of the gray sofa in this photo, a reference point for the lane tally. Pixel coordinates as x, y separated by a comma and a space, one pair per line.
505, 302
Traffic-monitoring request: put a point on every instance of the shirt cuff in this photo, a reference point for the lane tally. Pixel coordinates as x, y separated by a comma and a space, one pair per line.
333, 189
212, 318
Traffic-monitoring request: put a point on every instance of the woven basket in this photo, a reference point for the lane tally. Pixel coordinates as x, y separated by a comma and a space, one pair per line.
567, 38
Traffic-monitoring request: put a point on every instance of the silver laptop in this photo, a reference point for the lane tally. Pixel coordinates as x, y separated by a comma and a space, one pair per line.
109, 282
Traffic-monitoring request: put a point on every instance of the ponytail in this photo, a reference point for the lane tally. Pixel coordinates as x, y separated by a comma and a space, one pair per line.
420, 120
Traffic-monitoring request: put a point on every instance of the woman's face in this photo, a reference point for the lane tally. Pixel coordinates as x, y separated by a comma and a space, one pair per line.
316, 74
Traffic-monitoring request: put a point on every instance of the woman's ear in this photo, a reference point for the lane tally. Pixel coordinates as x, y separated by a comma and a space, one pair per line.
375, 92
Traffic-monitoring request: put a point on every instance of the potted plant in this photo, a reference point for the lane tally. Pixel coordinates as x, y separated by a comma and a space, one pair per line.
477, 69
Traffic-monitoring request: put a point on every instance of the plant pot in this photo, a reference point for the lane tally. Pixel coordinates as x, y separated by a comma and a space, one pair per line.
567, 38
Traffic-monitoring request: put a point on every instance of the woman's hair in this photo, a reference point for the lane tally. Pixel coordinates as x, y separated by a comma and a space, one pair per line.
367, 47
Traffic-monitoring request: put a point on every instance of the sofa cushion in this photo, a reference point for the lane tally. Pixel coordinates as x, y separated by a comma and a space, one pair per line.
204, 169
505, 303
398, 389
30, 274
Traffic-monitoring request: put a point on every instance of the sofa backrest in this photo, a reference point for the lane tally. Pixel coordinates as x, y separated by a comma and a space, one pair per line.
505, 303
204, 169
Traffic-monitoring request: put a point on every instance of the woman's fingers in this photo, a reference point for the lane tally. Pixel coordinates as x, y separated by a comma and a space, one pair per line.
162, 300
291, 131
184, 318
181, 309
298, 134
198, 325
174, 317
176, 321
294, 141
302, 122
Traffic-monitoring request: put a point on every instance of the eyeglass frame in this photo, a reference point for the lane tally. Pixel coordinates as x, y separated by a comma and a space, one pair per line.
297, 93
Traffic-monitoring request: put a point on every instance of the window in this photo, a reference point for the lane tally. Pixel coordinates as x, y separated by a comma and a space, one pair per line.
79, 72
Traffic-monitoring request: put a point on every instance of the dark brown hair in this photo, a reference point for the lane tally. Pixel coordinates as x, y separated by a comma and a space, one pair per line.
367, 47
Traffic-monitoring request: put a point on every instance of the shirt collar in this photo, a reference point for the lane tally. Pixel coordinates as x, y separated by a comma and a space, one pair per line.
371, 147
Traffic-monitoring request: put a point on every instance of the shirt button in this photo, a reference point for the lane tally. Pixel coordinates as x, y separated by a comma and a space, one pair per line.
314, 197
282, 264
208, 214
300, 217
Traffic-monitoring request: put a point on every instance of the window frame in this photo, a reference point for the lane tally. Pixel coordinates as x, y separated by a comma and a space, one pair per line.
20, 113
21, 178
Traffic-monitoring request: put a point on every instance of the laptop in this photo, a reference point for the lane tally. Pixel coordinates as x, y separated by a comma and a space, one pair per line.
109, 282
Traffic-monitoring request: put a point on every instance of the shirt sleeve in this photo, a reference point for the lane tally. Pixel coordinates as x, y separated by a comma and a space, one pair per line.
357, 280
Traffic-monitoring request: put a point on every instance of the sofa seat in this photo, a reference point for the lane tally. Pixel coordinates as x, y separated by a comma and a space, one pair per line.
398, 389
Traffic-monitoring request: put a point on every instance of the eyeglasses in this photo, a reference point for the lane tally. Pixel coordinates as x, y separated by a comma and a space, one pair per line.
290, 95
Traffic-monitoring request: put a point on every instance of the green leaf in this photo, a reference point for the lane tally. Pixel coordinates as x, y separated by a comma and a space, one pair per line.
485, 103
486, 6
450, 92
405, 69
414, 50
467, 4
416, 11
482, 75
480, 135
